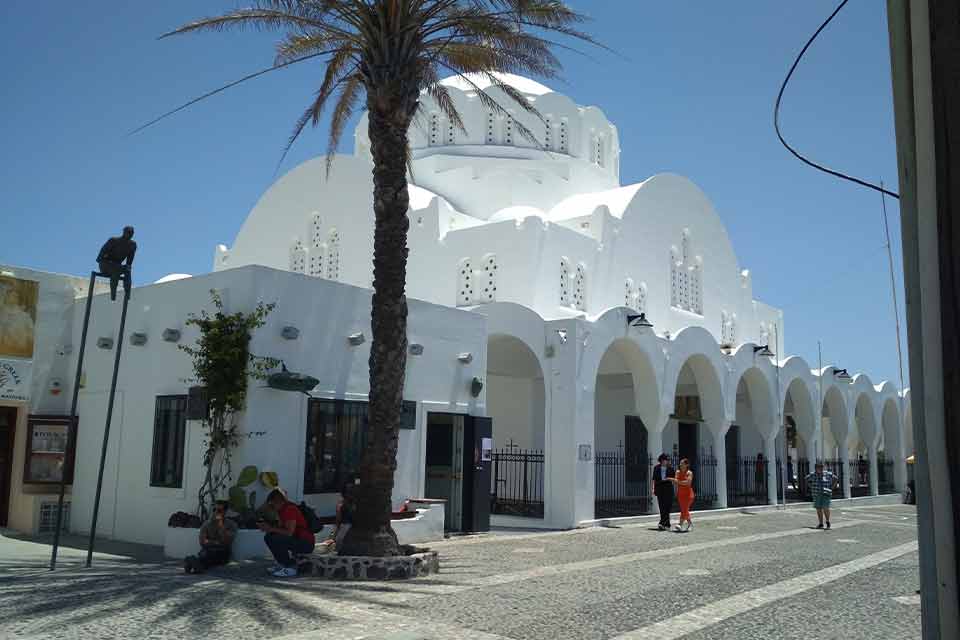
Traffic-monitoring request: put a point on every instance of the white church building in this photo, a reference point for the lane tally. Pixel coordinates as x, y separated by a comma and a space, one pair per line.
529, 267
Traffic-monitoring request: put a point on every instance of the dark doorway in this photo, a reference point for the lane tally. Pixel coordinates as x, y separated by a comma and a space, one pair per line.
8, 427
688, 441
458, 467
635, 450
732, 443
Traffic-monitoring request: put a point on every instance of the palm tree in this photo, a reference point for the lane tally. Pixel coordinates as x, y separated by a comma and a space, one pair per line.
387, 53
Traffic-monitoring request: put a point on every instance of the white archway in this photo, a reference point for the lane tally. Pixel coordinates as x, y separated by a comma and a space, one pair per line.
862, 448
891, 459
626, 409
749, 442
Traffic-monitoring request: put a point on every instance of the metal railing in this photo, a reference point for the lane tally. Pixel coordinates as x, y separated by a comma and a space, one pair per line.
622, 484
517, 482
746, 481
859, 477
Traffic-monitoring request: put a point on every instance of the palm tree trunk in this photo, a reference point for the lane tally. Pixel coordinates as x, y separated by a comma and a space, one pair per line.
371, 533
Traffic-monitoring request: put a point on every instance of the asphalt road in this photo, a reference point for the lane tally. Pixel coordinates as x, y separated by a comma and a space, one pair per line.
735, 576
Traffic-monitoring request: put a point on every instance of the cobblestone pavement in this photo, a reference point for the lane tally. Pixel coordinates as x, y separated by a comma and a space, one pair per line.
735, 576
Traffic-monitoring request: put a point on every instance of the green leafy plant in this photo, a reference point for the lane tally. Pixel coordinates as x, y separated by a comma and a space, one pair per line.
223, 365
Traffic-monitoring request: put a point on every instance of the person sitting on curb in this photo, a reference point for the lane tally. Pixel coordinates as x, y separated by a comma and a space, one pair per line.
293, 537
344, 519
216, 539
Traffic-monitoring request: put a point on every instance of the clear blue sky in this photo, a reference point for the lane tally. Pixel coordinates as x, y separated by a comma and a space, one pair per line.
691, 92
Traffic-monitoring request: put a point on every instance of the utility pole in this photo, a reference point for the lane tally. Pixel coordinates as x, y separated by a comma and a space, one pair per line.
924, 41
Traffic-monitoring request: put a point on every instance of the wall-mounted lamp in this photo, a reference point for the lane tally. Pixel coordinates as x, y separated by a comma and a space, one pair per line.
356, 339
416, 349
562, 334
465, 358
290, 333
842, 375
763, 351
639, 321
476, 386
138, 338
727, 348
171, 335
105, 343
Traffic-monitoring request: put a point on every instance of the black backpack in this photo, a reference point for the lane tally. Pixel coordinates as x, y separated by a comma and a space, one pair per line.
311, 517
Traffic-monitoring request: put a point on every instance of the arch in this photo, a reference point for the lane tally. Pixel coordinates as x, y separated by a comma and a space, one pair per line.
864, 420
891, 445
835, 427
690, 342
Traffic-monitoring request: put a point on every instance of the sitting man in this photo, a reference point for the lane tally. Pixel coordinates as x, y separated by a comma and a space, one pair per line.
293, 536
216, 538
116, 260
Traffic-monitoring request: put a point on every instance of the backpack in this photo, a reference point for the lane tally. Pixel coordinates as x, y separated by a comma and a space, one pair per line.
313, 522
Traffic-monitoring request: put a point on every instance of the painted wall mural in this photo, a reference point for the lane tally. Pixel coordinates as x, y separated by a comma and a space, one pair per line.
18, 316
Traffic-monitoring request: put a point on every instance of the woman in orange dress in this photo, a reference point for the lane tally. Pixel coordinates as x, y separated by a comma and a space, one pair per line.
684, 482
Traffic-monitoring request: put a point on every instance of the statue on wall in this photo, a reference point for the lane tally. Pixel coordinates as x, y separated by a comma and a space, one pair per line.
116, 260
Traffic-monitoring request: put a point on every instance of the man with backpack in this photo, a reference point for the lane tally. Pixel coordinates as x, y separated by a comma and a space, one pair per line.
292, 538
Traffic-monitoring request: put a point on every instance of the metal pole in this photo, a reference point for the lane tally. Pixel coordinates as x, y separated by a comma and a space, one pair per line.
71, 428
106, 427
783, 422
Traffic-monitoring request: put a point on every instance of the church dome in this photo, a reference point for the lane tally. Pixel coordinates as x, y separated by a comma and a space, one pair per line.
471, 81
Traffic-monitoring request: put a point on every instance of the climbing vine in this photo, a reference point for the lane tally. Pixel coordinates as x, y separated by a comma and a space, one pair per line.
223, 365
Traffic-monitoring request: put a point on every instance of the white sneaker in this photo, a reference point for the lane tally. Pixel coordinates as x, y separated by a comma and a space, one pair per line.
285, 572
677, 528
688, 526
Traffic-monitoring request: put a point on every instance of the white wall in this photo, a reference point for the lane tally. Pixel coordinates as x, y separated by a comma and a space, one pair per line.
325, 313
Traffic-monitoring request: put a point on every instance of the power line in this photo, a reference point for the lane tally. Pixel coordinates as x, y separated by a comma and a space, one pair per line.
776, 116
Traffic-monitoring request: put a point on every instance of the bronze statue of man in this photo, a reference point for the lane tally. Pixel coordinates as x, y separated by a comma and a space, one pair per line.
116, 260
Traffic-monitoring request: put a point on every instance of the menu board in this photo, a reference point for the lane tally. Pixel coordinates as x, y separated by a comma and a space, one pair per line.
47, 452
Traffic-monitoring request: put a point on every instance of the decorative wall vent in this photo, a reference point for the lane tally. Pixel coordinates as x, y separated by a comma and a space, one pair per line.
564, 137
548, 133
565, 284
580, 288
686, 277
491, 129
298, 257
728, 328
333, 255
477, 286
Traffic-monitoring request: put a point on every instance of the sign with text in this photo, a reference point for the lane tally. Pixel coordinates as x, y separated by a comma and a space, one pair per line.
16, 376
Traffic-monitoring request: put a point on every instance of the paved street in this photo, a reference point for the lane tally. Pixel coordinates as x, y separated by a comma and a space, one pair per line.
736, 576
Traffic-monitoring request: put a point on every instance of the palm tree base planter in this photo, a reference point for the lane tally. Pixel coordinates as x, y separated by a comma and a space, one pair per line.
415, 562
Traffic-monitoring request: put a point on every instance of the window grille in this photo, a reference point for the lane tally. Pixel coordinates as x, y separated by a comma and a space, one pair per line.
169, 431
48, 517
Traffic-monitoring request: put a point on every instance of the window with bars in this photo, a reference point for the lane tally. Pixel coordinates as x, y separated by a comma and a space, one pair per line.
336, 437
169, 432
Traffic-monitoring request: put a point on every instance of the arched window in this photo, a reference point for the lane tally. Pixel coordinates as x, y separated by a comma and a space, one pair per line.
333, 255
298, 257
489, 291
565, 284
580, 288
465, 283
686, 277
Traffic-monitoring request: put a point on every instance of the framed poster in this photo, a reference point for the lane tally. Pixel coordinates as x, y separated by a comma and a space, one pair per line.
49, 450
18, 316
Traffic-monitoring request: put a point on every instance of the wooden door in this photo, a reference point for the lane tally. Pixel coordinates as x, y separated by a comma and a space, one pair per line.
8, 427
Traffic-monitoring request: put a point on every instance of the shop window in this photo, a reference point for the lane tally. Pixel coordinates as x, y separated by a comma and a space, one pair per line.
336, 437
49, 452
169, 431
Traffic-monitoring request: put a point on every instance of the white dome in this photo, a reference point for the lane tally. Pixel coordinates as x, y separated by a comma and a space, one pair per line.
519, 212
521, 84
170, 277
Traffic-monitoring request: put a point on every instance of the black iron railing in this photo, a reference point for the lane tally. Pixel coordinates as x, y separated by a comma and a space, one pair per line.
859, 477
797, 472
885, 479
622, 484
517, 483
746, 481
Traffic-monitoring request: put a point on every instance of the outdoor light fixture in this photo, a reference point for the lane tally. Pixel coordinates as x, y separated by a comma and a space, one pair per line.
171, 335
726, 348
640, 321
138, 338
476, 386
286, 380
290, 333
562, 334
763, 351
842, 374
465, 358
356, 339
105, 343
416, 349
